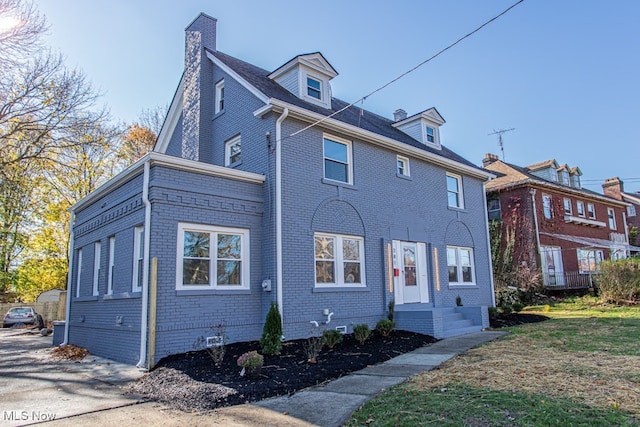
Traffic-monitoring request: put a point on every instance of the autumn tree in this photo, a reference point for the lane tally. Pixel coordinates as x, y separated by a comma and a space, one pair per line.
140, 137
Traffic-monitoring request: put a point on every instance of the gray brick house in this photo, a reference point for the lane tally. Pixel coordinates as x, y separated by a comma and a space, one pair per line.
248, 199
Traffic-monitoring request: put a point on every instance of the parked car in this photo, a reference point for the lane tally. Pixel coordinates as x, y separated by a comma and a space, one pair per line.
26, 315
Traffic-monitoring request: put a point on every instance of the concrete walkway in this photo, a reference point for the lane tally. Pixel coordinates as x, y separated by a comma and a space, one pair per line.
89, 393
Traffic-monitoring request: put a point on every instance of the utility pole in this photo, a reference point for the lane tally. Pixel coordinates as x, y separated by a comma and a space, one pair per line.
499, 133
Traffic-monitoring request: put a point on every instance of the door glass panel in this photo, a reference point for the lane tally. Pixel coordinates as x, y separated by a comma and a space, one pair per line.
409, 259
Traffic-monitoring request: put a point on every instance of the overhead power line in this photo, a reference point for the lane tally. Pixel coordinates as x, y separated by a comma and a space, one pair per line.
410, 70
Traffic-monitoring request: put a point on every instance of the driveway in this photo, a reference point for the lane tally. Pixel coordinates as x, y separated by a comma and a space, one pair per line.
38, 389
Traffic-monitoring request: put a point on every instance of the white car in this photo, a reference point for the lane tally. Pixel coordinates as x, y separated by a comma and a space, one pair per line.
25, 315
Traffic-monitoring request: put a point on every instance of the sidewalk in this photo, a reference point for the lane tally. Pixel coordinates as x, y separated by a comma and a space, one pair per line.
327, 405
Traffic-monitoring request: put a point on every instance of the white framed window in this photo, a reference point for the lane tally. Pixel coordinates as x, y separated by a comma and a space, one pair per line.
591, 211
611, 215
233, 151
211, 257
554, 175
568, 209
314, 88
564, 177
337, 159
589, 260
111, 264
454, 191
79, 276
460, 265
580, 208
339, 260
402, 164
431, 134
546, 206
631, 210
97, 253
138, 258
219, 101
493, 209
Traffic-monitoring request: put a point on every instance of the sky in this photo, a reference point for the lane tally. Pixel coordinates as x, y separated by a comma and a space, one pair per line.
565, 75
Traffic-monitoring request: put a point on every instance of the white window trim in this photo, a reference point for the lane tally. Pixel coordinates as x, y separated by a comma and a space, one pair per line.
460, 191
325, 97
97, 254
436, 134
547, 210
111, 264
459, 266
349, 163
597, 260
227, 150
219, 97
580, 203
564, 206
406, 166
319, 90
79, 276
245, 270
611, 218
631, 210
339, 262
138, 247
589, 211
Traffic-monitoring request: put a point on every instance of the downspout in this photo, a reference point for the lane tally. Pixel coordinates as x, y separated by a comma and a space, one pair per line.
486, 215
627, 250
535, 225
145, 267
67, 316
283, 116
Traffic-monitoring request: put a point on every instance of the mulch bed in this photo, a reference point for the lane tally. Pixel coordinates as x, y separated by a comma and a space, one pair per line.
191, 382
513, 319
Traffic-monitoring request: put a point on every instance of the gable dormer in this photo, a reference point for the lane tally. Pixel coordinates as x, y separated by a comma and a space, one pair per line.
307, 77
423, 127
575, 174
546, 170
563, 175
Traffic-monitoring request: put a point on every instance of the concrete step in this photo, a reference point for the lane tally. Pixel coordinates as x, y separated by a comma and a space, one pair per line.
461, 331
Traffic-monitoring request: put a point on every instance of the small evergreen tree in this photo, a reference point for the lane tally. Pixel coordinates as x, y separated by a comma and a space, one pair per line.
272, 332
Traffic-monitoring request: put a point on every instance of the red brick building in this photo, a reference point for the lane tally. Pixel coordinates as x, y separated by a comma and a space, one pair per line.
553, 225
614, 187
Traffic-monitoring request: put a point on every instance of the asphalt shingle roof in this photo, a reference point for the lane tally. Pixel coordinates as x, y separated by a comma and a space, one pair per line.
354, 116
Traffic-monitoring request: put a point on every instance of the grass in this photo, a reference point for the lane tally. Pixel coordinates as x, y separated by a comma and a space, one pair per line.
582, 367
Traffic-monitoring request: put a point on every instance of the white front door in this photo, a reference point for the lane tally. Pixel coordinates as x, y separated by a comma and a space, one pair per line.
410, 271
552, 269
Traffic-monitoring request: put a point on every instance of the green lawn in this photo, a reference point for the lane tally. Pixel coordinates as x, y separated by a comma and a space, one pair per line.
582, 367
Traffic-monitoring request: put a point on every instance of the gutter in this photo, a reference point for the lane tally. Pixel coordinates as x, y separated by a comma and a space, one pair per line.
67, 316
279, 121
486, 215
535, 224
145, 266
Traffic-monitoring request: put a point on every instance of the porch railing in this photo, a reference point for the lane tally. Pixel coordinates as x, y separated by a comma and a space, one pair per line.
568, 280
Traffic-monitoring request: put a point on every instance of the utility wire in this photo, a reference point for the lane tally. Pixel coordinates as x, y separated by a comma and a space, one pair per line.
410, 70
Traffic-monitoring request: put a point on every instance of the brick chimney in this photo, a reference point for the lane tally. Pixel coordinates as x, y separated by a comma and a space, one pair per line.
198, 94
613, 187
489, 158
399, 114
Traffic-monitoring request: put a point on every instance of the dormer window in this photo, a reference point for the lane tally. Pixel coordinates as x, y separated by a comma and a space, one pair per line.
430, 134
314, 88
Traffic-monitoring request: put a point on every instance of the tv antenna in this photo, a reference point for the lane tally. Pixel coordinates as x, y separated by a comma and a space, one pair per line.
499, 133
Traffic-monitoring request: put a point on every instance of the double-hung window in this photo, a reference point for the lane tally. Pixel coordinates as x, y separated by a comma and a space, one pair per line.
611, 215
546, 206
591, 211
111, 264
460, 264
431, 134
97, 254
337, 160
454, 191
580, 208
402, 166
339, 260
568, 210
233, 151
138, 258
314, 88
212, 257
79, 276
219, 101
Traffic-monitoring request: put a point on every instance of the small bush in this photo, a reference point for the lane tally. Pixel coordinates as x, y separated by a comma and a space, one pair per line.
517, 307
331, 338
271, 340
312, 347
361, 333
385, 326
250, 359
619, 281
493, 312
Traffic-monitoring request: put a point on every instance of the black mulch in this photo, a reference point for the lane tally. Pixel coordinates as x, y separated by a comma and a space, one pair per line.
513, 319
283, 374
